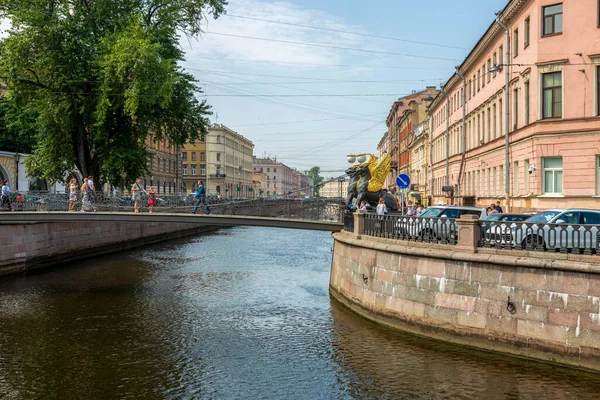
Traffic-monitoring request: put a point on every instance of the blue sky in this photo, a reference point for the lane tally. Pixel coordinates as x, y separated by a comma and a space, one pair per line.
301, 103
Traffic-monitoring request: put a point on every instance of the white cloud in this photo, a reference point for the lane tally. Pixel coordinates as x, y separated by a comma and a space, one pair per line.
258, 50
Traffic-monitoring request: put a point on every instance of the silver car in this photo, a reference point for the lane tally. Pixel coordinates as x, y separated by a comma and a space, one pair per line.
556, 229
437, 222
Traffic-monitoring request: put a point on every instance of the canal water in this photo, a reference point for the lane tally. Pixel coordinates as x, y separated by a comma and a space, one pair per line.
242, 313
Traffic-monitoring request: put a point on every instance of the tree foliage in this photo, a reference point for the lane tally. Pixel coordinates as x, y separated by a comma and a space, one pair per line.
16, 127
315, 174
100, 76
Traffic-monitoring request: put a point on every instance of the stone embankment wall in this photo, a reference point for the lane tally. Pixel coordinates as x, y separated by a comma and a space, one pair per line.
35, 245
461, 295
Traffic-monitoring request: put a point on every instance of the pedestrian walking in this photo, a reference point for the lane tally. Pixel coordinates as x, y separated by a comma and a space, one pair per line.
5, 196
136, 194
201, 198
72, 194
86, 197
151, 199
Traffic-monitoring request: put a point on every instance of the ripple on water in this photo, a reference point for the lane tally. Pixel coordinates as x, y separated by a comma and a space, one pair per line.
240, 314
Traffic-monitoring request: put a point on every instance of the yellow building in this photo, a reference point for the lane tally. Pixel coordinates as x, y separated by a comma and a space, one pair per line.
193, 165
162, 166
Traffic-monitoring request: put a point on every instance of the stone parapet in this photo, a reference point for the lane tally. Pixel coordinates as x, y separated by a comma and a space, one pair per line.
34, 245
540, 306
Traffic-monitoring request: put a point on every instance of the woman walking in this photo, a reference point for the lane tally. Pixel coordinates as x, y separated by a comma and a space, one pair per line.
136, 194
151, 198
72, 194
86, 205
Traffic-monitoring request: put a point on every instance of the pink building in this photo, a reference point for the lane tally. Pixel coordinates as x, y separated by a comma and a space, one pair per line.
553, 67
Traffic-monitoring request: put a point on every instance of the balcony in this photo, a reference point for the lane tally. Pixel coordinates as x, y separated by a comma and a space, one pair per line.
218, 176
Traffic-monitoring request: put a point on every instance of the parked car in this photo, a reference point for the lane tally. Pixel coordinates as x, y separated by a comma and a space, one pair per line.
494, 225
556, 229
438, 222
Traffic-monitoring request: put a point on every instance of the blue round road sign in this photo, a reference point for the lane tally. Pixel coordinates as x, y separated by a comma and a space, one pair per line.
403, 181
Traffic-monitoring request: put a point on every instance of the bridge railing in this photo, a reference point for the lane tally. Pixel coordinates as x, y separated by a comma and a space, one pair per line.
309, 209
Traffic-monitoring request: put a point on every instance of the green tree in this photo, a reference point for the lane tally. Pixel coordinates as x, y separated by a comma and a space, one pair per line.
100, 76
16, 127
317, 180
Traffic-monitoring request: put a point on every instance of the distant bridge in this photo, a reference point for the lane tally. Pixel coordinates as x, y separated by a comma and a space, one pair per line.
209, 220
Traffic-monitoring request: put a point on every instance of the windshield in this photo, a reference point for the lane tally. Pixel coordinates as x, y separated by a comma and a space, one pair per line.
543, 217
493, 217
432, 213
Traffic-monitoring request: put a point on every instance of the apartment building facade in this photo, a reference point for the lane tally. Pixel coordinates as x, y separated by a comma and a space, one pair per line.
162, 166
399, 124
280, 178
551, 61
229, 170
193, 162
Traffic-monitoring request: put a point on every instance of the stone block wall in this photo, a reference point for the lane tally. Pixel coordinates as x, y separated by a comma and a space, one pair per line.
26, 246
451, 294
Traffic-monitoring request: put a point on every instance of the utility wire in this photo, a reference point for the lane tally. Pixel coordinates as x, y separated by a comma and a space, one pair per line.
326, 46
347, 32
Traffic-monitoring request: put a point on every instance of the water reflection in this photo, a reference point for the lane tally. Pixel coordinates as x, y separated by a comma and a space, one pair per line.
243, 313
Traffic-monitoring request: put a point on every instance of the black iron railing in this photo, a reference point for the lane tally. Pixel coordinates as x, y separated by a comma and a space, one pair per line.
556, 238
349, 222
416, 229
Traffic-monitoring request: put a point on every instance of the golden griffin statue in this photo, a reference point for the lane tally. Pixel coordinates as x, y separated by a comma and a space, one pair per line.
367, 179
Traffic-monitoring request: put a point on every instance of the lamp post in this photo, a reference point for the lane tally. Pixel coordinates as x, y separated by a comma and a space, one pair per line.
17, 155
464, 127
496, 68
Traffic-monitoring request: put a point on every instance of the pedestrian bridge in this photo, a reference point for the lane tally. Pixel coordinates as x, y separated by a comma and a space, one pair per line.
162, 217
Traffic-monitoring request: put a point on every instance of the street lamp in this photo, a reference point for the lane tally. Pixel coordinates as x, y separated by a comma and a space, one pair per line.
17, 155
497, 68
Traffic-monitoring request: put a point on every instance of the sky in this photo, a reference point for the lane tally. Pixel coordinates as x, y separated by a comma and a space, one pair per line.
313, 104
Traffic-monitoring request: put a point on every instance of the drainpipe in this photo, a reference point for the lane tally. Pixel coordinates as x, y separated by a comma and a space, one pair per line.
506, 116
464, 129
430, 135
447, 135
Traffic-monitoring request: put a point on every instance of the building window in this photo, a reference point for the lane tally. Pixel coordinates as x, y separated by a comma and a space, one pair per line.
526, 176
526, 33
553, 20
218, 138
193, 170
553, 175
193, 156
552, 95
268, 169
501, 55
483, 76
516, 178
474, 83
478, 80
516, 110
494, 121
184, 156
526, 109
274, 170
597, 174
202, 156
495, 62
487, 72
516, 43
184, 170
202, 171
218, 156
598, 89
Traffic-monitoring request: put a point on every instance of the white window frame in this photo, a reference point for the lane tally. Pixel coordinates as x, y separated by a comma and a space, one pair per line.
184, 171
553, 170
598, 175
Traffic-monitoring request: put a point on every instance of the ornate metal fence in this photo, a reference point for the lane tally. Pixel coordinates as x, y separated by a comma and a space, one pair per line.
309, 209
559, 238
416, 229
